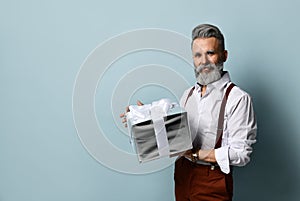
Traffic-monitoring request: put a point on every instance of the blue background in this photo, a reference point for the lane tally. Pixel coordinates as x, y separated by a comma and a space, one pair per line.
44, 43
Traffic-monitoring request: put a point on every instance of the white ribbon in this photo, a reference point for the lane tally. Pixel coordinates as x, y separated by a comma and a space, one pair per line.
142, 113
155, 111
157, 114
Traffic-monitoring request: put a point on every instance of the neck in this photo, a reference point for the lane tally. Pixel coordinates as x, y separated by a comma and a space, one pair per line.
203, 90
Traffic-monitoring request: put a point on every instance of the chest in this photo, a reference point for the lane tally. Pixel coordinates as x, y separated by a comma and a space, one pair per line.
203, 111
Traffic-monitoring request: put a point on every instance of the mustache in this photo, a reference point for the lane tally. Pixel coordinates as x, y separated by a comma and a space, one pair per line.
210, 67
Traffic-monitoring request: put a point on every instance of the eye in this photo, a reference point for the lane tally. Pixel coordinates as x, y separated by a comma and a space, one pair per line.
210, 52
197, 55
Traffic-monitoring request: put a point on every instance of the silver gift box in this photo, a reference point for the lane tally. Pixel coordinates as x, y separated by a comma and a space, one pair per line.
177, 133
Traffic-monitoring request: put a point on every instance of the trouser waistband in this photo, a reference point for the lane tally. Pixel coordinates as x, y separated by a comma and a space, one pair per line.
211, 166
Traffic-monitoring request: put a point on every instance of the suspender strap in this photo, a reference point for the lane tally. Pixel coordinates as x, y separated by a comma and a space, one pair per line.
221, 116
189, 95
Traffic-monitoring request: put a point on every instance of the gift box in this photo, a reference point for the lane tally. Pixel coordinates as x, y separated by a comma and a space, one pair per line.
158, 130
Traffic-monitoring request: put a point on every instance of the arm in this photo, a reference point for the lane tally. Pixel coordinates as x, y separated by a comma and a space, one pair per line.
239, 134
204, 155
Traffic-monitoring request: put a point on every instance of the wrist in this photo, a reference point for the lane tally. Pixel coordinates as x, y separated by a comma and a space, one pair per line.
195, 155
207, 155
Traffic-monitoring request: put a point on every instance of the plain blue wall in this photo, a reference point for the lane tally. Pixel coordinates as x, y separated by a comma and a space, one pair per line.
44, 43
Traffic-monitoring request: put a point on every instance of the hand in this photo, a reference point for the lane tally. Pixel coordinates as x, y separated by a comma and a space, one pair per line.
123, 115
203, 155
190, 154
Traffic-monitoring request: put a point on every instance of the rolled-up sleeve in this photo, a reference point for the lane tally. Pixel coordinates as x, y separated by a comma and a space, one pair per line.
240, 129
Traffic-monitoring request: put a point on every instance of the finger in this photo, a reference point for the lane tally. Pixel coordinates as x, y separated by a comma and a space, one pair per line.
188, 151
124, 114
125, 125
124, 120
139, 103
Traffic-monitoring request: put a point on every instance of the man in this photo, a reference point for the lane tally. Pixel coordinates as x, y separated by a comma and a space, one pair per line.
223, 131
205, 172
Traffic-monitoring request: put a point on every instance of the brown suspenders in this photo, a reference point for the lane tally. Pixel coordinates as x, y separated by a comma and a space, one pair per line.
221, 114
189, 95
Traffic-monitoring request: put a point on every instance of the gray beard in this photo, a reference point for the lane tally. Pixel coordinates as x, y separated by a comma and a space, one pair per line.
205, 78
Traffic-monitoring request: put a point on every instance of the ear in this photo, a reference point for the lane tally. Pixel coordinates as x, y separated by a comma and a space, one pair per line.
225, 53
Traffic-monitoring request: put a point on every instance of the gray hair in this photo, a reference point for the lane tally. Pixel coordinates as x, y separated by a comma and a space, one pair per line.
207, 31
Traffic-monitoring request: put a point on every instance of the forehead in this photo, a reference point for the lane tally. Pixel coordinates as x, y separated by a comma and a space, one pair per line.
204, 44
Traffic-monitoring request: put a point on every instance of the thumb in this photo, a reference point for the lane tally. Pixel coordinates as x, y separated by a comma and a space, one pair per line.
139, 103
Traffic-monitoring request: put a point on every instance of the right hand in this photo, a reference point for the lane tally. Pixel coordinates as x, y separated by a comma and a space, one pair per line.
123, 115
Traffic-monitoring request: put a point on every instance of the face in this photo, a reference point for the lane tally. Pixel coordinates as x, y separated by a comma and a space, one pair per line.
208, 59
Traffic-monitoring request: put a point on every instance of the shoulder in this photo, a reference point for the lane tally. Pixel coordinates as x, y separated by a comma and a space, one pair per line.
237, 92
238, 98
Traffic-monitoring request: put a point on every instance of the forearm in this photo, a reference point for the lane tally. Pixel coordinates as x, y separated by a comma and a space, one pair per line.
203, 155
207, 155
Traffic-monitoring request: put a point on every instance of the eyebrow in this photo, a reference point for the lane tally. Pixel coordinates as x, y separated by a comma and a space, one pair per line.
208, 52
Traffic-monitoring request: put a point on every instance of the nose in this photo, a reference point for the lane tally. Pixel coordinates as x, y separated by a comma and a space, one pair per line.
204, 60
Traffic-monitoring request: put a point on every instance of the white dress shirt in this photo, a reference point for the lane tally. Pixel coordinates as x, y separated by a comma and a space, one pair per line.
240, 127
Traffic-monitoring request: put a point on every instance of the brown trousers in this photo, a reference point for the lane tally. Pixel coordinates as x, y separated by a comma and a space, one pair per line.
194, 182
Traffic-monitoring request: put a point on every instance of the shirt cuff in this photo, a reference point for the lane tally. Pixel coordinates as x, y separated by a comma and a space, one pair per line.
222, 158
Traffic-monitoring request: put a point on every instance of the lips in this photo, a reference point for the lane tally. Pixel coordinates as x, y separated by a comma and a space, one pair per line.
206, 70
